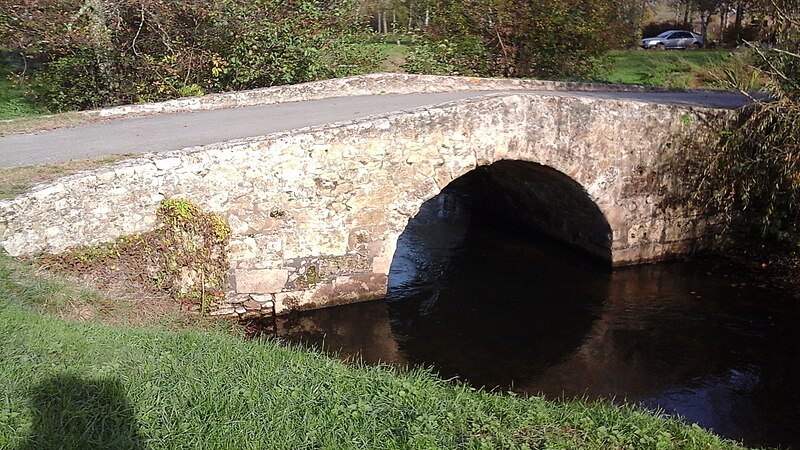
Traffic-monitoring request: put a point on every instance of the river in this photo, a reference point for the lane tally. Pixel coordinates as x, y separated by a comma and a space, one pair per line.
505, 309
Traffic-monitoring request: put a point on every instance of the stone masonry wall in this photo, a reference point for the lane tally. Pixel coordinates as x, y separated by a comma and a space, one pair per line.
316, 212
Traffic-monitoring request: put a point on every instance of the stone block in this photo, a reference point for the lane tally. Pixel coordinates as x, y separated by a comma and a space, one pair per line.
251, 315
268, 306
167, 163
286, 302
262, 298
252, 305
260, 281
222, 312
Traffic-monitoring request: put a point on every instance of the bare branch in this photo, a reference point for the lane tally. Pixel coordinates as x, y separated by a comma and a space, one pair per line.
785, 52
141, 24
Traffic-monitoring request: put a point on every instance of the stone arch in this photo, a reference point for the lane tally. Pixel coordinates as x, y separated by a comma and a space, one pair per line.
454, 283
534, 196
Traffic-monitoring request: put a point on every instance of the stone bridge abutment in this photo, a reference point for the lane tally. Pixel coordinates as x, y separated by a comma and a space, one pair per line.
316, 213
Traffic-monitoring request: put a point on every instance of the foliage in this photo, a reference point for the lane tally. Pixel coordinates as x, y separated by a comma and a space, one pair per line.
105, 52
754, 176
512, 38
749, 32
185, 255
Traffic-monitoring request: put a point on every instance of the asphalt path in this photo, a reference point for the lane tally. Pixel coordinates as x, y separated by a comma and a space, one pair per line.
160, 133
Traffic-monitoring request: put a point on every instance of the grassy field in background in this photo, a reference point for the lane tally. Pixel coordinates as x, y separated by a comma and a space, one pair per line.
84, 384
670, 68
13, 103
395, 56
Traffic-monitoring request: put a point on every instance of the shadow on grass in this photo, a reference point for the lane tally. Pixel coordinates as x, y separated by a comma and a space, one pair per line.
74, 413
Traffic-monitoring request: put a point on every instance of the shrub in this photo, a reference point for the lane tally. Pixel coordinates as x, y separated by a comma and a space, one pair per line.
101, 53
750, 33
754, 175
550, 39
184, 256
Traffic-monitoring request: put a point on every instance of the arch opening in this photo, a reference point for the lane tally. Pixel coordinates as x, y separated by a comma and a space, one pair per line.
482, 268
539, 199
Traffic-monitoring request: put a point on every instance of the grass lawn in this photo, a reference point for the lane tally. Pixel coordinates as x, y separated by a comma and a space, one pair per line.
13, 103
670, 68
86, 384
395, 56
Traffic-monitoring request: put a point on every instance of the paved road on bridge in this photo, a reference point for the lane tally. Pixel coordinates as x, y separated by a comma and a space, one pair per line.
160, 133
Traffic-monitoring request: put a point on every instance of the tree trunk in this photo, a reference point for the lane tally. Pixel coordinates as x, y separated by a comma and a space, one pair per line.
723, 19
385, 28
737, 24
686, 12
101, 38
705, 19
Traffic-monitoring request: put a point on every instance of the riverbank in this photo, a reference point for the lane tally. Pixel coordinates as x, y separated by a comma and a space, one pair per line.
86, 384
772, 266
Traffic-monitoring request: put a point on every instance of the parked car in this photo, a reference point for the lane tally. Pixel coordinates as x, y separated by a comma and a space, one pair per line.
674, 39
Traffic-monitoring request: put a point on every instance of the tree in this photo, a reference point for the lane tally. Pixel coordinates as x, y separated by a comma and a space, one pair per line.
707, 9
518, 38
753, 177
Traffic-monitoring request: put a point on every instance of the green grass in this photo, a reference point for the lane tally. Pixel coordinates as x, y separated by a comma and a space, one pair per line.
395, 56
671, 68
13, 102
70, 384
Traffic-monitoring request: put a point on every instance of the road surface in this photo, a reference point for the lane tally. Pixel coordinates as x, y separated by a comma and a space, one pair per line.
161, 133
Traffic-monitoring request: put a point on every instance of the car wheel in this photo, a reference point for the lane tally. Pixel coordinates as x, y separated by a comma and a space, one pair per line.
696, 46
660, 46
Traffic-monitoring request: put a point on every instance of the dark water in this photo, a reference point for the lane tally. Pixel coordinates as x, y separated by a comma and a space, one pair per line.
505, 309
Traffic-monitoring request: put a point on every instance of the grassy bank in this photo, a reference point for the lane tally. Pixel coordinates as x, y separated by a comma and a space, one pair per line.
673, 68
13, 102
85, 384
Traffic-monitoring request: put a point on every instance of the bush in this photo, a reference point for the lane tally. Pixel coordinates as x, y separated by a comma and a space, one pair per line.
754, 176
126, 51
750, 33
549, 39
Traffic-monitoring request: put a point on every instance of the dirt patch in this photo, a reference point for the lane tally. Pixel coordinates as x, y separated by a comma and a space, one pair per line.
122, 302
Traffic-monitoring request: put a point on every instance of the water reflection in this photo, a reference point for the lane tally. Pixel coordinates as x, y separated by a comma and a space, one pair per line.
504, 309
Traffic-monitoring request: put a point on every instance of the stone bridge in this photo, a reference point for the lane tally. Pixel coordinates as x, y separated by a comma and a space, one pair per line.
316, 212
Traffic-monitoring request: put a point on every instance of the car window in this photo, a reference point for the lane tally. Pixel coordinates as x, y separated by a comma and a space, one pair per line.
682, 35
664, 34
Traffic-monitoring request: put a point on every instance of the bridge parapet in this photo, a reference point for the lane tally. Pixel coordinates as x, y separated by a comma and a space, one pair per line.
316, 212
